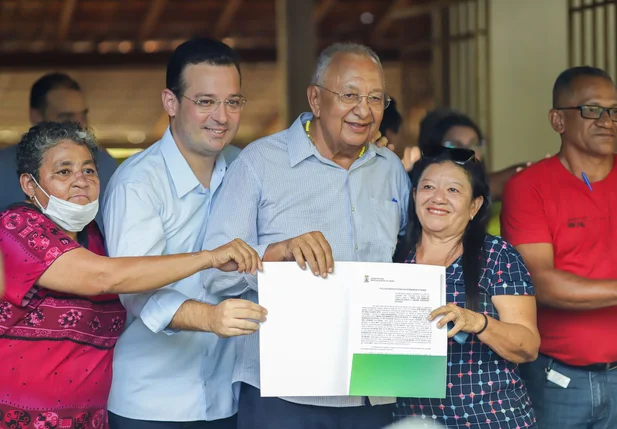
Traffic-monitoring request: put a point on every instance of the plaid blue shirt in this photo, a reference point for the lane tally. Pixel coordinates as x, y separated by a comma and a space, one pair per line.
281, 187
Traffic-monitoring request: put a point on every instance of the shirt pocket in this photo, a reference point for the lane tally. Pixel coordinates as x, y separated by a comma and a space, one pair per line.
386, 222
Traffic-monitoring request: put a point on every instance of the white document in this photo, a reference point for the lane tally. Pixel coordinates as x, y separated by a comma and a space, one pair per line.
334, 336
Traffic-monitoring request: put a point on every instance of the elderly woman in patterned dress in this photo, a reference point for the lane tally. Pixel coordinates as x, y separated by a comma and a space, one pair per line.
490, 298
60, 316
1, 277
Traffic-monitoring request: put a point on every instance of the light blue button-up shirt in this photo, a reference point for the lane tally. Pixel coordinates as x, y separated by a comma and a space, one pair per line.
281, 187
154, 205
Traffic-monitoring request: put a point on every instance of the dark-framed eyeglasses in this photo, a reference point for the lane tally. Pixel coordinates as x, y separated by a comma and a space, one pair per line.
458, 155
376, 99
593, 112
209, 105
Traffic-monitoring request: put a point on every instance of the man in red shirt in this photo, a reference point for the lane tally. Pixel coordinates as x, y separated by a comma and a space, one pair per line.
561, 215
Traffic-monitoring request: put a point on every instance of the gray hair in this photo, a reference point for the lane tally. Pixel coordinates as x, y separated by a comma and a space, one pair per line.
42, 137
347, 48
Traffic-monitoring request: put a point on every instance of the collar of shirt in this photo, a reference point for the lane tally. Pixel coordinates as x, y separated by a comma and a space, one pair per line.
302, 147
183, 178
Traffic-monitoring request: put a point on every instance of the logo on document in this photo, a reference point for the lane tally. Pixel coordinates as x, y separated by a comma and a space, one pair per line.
366, 280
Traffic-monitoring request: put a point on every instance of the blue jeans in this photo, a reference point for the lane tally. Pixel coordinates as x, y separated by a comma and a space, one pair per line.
589, 402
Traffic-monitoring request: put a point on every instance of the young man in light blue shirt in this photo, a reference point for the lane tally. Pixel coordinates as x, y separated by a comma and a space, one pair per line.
316, 192
171, 368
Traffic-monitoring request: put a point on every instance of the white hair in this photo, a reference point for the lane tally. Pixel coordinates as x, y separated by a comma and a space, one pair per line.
348, 48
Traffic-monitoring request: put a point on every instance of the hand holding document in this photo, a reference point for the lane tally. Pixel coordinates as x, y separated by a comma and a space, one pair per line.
363, 331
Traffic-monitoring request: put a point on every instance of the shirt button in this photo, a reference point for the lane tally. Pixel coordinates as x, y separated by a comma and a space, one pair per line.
356, 247
353, 209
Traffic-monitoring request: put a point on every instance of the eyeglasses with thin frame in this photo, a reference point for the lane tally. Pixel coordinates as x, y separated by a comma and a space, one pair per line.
209, 105
593, 112
379, 99
458, 155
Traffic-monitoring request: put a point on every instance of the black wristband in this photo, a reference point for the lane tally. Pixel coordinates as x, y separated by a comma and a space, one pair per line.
485, 324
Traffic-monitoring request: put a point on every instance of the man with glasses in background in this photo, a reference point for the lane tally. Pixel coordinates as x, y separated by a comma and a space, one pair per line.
171, 369
54, 97
561, 215
314, 193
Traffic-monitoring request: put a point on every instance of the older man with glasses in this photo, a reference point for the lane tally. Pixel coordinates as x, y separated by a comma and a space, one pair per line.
317, 192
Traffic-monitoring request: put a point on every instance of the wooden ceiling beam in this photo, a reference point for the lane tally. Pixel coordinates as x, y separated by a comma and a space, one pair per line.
66, 15
223, 24
152, 18
134, 60
322, 10
388, 18
12, 18
8, 12
422, 9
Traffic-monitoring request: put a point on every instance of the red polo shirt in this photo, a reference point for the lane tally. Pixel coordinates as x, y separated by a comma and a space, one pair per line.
547, 204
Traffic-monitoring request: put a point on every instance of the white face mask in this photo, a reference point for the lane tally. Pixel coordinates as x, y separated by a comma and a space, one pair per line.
68, 216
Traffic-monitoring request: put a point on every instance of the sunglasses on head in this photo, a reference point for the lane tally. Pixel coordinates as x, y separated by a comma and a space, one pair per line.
455, 154
458, 144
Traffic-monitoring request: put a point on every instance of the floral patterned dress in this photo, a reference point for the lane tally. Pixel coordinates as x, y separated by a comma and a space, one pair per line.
56, 349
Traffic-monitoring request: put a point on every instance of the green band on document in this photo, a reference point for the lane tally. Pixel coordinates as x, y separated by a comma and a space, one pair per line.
404, 376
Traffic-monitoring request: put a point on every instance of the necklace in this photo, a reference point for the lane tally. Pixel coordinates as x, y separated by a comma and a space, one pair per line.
307, 128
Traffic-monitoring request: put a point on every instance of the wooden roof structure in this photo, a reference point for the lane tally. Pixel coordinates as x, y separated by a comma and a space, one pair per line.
117, 51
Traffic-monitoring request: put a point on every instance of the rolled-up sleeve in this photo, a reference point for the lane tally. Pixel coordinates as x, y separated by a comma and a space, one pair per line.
234, 215
134, 228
